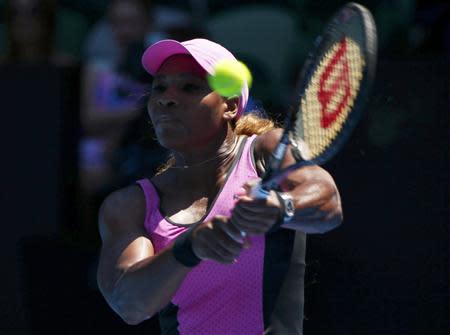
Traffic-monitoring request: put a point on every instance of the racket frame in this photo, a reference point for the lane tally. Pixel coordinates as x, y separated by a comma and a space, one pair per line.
274, 174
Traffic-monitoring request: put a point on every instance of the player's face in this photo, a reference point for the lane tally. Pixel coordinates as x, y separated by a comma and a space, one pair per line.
185, 112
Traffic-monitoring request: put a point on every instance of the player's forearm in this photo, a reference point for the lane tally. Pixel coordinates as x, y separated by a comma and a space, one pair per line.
317, 202
146, 287
313, 226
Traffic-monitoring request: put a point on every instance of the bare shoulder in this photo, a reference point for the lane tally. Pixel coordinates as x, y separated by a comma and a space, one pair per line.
123, 210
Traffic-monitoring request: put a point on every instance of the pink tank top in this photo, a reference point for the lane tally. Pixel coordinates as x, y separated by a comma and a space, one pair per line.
216, 298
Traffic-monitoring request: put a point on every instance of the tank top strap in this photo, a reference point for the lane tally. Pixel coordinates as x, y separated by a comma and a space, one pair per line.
151, 198
248, 153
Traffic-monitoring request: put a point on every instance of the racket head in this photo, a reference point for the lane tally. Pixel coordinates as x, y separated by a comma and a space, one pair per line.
334, 84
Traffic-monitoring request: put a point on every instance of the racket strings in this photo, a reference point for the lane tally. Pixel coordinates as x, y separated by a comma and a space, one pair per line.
329, 98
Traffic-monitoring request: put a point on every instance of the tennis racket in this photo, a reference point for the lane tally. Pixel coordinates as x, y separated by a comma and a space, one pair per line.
334, 84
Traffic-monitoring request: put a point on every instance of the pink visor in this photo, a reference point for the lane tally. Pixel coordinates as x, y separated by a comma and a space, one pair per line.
205, 52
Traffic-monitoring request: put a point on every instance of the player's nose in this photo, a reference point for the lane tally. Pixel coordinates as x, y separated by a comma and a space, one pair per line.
167, 102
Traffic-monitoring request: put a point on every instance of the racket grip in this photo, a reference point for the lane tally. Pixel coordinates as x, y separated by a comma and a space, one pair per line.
260, 193
275, 159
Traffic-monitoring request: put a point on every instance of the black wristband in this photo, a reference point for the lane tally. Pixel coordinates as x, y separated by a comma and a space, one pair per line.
182, 250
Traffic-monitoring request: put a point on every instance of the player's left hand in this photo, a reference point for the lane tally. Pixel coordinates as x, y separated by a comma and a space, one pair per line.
255, 216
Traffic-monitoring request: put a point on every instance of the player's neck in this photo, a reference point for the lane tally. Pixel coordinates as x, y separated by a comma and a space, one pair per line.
208, 167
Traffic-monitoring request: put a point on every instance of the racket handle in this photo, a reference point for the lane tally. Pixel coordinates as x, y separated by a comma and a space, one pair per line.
259, 192
277, 156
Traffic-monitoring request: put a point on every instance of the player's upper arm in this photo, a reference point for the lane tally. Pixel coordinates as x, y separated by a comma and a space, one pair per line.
124, 239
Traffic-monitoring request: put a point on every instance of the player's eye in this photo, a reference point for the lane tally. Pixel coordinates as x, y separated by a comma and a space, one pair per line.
191, 87
158, 88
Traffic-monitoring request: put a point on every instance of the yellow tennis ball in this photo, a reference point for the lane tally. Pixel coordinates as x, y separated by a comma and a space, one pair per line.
229, 77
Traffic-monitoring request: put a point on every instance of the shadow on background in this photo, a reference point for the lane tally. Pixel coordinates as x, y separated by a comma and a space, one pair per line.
49, 264
386, 270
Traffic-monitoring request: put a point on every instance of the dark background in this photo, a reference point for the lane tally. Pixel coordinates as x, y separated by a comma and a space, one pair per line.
384, 271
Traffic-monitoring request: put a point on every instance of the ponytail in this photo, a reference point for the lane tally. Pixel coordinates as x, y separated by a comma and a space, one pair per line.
251, 124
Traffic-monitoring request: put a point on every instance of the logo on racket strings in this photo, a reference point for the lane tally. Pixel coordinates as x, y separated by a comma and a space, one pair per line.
334, 86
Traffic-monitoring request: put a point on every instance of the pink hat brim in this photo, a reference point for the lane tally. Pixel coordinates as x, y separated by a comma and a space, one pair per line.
155, 55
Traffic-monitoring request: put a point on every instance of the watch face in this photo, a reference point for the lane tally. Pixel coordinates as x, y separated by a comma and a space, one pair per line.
290, 209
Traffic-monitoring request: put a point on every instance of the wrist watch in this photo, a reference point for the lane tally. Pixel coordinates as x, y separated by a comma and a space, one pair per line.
288, 206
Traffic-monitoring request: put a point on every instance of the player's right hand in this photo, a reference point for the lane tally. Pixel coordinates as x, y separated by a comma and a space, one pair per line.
217, 240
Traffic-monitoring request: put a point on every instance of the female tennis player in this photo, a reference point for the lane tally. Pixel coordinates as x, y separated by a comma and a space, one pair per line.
190, 243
